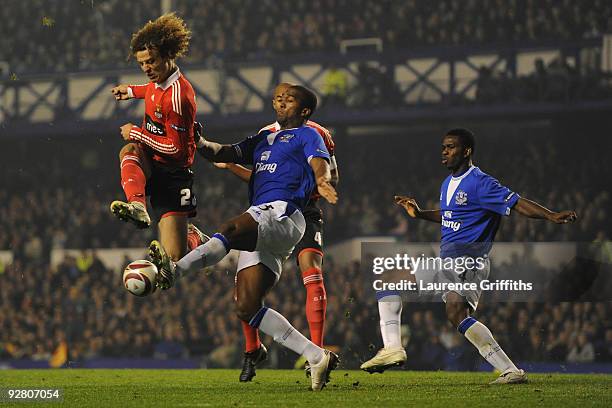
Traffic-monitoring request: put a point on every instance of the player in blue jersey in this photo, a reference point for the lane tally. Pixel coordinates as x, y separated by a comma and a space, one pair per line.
471, 206
287, 166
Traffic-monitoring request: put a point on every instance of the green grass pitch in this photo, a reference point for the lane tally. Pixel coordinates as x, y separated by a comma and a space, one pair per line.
290, 388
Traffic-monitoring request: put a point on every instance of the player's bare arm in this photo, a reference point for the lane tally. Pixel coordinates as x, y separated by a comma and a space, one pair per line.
412, 208
323, 177
121, 93
532, 209
238, 170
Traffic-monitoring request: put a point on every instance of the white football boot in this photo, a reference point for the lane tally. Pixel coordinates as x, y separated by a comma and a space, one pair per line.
511, 377
319, 373
384, 359
133, 212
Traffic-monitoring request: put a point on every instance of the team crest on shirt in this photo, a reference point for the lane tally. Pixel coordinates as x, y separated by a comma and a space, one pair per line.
158, 111
461, 198
266, 155
286, 138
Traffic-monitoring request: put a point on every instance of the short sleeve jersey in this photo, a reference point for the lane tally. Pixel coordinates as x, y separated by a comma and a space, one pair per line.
471, 206
281, 164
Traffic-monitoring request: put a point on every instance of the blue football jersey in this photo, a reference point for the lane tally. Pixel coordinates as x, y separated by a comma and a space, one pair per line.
281, 164
471, 206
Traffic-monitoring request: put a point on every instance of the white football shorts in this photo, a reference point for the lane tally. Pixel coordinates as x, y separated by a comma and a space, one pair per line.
441, 275
278, 233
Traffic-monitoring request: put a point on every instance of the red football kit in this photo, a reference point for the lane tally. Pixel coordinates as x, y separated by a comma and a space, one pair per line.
167, 127
167, 133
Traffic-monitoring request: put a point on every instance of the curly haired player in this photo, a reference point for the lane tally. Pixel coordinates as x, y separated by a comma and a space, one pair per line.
157, 158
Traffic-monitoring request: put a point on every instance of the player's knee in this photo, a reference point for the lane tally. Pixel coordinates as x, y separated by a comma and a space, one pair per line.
127, 149
308, 259
246, 309
456, 311
228, 228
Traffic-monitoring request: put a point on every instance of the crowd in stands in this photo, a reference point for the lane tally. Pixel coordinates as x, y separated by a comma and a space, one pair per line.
83, 304
557, 81
63, 201
60, 200
85, 35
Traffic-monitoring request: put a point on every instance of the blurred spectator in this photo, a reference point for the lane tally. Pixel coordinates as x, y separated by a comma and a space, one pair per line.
334, 87
581, 351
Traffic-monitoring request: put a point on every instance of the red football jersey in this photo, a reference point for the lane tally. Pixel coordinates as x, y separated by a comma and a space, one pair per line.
167, 127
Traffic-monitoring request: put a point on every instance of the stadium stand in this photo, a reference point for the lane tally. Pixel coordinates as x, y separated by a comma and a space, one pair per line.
55, 189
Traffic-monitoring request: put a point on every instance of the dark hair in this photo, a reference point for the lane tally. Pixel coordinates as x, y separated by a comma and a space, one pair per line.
307, 98
465, 136
168, 35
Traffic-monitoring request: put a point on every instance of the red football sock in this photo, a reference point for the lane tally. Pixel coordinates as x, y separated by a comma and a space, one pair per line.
251, 337
193, 240
133, 179
316, 304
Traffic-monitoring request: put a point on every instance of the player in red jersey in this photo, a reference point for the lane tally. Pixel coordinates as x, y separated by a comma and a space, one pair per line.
157, 158
309, 253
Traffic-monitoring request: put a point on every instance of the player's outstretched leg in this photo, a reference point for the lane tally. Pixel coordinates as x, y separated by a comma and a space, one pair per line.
253, 283
481, 337
392, 354
241, 231
134, 166
208, 254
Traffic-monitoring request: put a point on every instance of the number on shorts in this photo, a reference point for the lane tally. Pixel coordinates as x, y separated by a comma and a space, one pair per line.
186, 198
318, 238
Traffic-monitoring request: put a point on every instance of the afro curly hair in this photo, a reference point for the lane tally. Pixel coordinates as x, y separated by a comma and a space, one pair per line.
167, 34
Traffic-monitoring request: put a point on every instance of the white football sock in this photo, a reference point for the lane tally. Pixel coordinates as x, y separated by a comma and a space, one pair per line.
390, 312
208, 254
480, 336
274, 324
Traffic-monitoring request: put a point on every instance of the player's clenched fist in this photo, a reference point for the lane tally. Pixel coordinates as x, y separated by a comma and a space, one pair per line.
563, 217
120, 92
125, 131
409, 204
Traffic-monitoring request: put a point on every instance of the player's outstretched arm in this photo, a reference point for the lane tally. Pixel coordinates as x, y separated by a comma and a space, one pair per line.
213, 151
239, 171
412, 208
532, 209
322, 174
216, 152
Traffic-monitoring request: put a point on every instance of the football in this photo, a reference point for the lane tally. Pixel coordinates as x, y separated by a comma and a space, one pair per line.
139, 278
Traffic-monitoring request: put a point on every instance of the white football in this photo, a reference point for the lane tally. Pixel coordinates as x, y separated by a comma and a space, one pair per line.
139, 278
